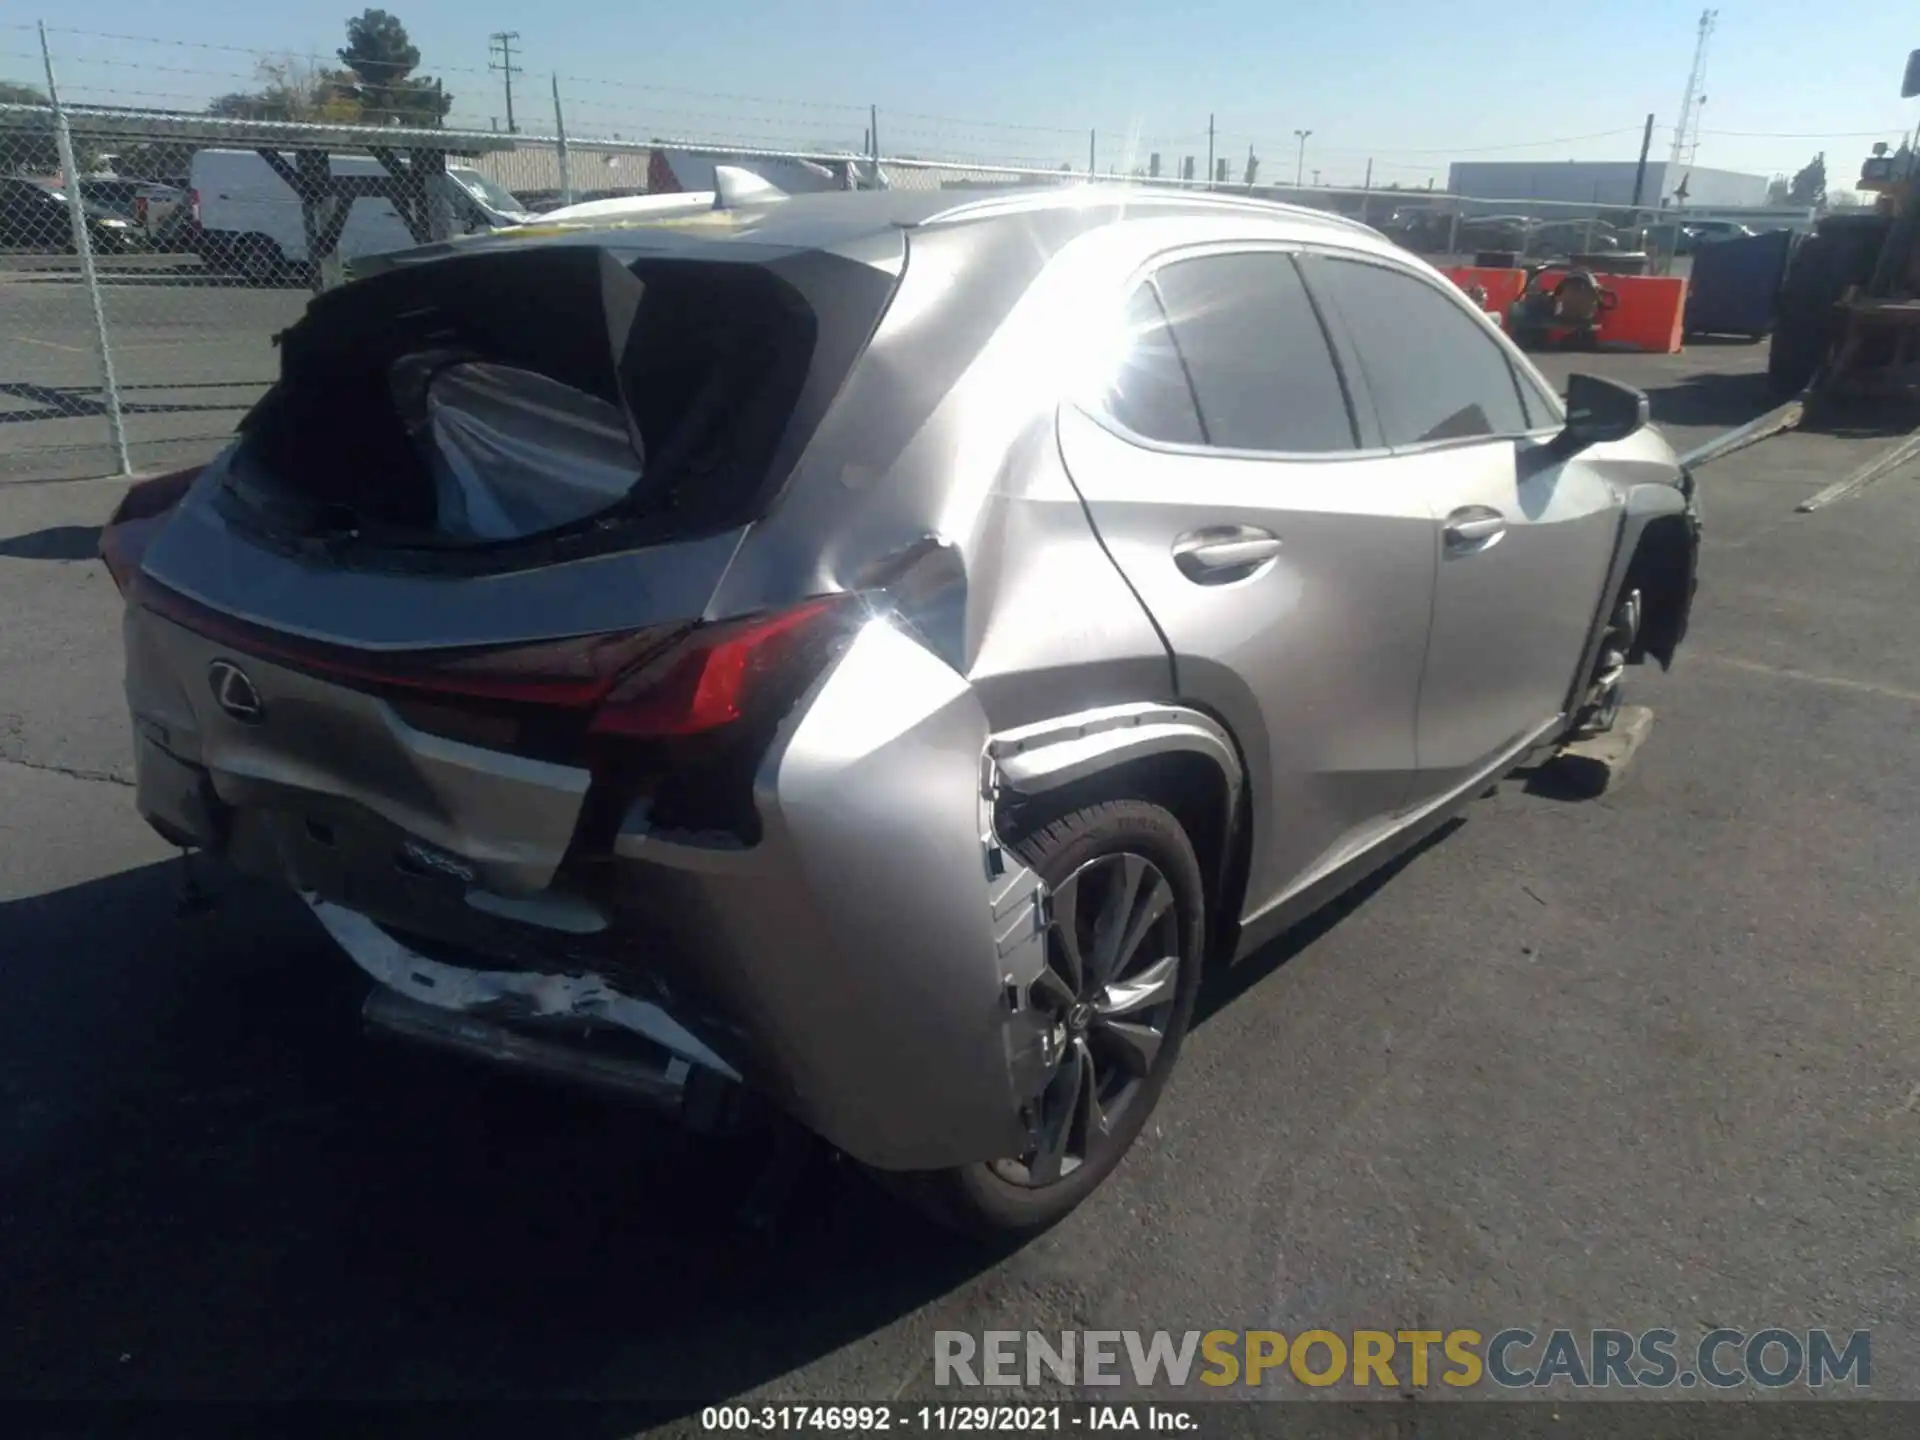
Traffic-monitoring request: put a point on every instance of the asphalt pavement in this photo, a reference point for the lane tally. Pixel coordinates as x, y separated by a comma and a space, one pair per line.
1640, 1061
191, 352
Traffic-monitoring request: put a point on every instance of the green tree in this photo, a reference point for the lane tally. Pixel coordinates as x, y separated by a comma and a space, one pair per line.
30, 151
294, 88
1809, 185
382, 60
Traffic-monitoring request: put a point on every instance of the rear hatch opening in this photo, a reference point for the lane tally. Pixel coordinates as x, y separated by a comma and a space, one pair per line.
463, 555
487, 400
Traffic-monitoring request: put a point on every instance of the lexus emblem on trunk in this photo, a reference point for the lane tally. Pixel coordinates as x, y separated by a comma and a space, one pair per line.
233, 692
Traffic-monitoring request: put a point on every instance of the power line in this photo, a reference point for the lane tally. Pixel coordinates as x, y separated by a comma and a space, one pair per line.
1805, 134
501, 43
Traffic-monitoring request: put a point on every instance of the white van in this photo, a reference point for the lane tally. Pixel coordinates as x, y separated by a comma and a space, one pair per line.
248, 218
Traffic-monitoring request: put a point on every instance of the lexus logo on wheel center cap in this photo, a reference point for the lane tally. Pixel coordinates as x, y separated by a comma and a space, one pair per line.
233, 692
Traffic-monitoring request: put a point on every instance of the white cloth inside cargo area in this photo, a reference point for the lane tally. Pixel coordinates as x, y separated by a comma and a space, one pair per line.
514, 453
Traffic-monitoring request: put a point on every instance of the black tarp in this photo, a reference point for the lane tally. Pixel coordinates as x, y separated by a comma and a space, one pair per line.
1735, 283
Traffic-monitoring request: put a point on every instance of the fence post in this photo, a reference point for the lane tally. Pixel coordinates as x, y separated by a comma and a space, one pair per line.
83, 247
1453, 228
560, 138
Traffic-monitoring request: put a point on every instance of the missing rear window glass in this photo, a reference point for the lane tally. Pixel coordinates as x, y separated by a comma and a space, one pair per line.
491, 399
511, 452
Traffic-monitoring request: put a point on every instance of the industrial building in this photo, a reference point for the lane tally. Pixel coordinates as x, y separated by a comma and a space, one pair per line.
1605, 182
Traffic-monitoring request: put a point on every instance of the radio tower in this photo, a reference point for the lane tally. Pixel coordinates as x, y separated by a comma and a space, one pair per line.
1686, 133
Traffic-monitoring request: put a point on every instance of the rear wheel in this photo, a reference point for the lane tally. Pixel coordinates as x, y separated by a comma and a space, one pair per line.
1124, 953
258, 258
1822, 268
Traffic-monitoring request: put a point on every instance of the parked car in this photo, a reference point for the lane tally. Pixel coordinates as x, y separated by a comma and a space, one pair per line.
1423, 231
248, 219
1492, 232
841, 652
34, 216
111, 193
1696, 233
164, 213
1560, 238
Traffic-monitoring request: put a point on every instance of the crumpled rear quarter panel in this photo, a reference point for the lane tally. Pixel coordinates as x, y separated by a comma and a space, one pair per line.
856, 947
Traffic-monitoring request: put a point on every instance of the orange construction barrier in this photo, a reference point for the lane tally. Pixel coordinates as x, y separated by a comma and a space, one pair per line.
1502, 287
1648, 315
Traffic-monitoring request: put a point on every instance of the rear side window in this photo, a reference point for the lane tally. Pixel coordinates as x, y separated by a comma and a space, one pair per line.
1434, 374
1262, 371
1149, 393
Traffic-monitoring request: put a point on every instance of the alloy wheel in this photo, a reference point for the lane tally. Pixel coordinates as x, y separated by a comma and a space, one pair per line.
1109, 992
1623, 629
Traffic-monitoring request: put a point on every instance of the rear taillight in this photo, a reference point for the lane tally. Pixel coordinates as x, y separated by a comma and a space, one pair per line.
140, 210
193, 205
681, 713
662, 683
136, 520
718, 673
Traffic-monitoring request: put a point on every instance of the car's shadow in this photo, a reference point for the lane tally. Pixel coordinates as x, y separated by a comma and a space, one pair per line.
1226, 983
56, 542
1711, 399
216, 1188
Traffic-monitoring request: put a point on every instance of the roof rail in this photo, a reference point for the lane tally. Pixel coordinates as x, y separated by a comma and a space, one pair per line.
1045, 197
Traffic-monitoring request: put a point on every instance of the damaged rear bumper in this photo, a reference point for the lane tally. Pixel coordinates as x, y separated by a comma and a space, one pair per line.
576, 1028
865, 966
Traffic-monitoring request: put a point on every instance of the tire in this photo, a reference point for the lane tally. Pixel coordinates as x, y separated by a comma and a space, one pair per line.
258, 259
1001, 1199
1822, 268
1610, 665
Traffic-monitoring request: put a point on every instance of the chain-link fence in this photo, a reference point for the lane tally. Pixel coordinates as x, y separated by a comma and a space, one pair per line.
149, 256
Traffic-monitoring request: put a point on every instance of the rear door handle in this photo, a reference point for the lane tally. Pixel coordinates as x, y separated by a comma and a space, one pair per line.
1473, 528
1223, 552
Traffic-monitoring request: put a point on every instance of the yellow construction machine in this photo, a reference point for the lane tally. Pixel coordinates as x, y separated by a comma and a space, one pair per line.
1848, 319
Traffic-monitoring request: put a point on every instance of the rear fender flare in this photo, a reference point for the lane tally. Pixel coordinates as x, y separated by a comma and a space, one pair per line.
1069, 760
1035, 759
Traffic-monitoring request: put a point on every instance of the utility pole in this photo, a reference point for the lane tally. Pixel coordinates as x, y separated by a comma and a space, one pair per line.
560, 138
1640, 173
1209, 151
1092, 137
501, 43
1300, 162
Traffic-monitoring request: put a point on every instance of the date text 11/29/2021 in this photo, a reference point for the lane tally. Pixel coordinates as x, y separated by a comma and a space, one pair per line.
935, 1419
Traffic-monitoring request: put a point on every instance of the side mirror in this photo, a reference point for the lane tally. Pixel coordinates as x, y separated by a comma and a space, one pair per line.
1910, 82
1599, 410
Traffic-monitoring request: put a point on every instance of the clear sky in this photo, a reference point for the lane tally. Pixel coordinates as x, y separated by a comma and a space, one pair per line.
1408, 84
